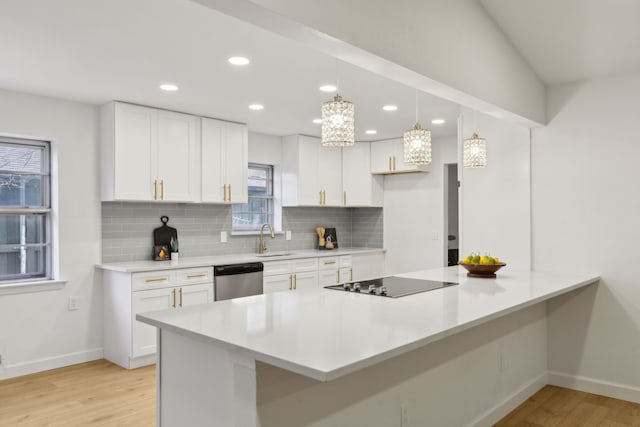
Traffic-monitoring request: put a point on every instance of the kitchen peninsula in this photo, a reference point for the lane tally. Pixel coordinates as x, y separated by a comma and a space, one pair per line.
447, 357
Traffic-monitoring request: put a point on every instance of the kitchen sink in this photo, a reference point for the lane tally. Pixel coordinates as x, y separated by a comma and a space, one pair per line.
274, 254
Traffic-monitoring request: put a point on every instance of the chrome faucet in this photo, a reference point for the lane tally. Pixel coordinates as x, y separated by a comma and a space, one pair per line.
262, 247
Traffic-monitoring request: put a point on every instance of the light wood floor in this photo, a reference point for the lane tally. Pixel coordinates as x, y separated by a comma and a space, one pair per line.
103, 394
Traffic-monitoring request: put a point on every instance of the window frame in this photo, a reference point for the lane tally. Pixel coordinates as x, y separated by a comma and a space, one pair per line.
270, 197
45, 211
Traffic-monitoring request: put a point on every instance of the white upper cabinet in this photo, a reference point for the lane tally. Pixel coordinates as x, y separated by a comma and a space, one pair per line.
224, 161
388, 157
311, 173
148, 154
360, 187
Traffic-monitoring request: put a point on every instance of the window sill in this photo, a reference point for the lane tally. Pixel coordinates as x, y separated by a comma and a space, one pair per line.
29, 287
253, 233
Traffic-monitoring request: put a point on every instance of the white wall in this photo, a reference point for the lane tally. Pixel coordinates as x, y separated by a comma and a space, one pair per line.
36, 330
586, 207
495, 203
414, 210
450, 48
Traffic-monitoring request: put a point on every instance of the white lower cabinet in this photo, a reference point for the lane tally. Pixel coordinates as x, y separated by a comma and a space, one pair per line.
334, 270
132, 344
367, 265
290, 275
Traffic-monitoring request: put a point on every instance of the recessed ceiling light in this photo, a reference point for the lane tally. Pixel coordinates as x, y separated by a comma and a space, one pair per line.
328, 88
168, 87
437, 121
317, 121
256, 107
390, 107
238, 60
370, 131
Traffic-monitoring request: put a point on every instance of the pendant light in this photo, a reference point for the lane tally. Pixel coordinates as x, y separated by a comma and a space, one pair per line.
417, 143
475, 150
338, 124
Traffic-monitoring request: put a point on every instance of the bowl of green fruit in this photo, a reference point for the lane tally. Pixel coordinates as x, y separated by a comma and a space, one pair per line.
483, 266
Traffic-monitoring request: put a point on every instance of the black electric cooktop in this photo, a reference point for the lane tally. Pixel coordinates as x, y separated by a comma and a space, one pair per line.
392, 286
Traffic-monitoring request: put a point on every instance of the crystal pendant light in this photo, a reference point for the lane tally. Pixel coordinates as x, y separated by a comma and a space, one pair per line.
475, 152
338, 123
417, 143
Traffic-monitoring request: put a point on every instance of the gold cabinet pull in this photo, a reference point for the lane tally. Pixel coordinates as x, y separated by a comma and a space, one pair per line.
337, 276
155, 189
390, 163
320, 197
329, 262
394, 162
155, 279
295, 282
344, 197
224, 199
174, 298
229, 192
180, 297
351, 274
196, 276
324, 197
291, 282
162, 189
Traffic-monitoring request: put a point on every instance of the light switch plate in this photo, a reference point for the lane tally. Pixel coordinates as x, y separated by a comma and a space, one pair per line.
288, 235
223, 237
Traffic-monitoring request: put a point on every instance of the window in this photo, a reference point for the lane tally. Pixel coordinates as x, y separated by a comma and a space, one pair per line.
25, 210
259, 209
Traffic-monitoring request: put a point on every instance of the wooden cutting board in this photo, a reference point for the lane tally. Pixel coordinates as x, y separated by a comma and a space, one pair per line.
162, 235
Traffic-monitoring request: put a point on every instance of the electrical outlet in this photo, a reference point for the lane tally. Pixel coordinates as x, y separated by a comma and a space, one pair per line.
223, 237
288, 235
74, 302
404, 414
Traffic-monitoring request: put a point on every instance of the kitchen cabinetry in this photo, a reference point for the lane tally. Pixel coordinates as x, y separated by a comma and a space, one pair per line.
367, 265
290, 275
224, 161
132, 344
360, 187
311, 173
334, 270
149, 154
387, 157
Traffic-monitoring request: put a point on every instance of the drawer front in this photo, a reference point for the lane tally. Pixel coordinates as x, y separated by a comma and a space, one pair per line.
153, 280
272, 268
345, 261
193, 276
304, 264
328, 263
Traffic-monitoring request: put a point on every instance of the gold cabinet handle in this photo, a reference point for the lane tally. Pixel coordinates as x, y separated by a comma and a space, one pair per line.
180, 297
155, 279
320, 197
295, 282
390, 163
224, 199
337, 276
329, 262
324, 197
394, 162
174, 298
196, 276
291, 282
229, 192
351, 274
155, 189
162, 189
344, 197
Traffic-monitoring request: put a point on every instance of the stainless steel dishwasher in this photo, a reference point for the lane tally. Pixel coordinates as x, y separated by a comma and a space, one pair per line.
237, 280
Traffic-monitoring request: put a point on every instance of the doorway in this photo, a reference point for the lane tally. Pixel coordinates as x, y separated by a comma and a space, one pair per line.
451, 219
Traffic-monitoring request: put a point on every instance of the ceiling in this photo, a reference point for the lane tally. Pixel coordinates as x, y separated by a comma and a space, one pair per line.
95, 51
572, 40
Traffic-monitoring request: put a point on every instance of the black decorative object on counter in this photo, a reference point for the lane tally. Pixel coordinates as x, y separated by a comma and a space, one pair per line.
162, 240
330, 239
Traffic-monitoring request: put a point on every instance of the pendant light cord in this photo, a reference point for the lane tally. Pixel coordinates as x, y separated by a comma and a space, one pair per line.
416, 106
337, 79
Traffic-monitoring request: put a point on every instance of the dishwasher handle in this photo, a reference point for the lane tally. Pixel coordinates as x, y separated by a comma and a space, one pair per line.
231, 269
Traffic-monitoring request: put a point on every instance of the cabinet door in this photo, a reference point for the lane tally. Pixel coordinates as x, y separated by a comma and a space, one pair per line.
360, 187
382, 157
367, 266
144, 336
308, 171
345, 275
308, 280
178, 170
135, 157
398, 153
280, 282
328, 277
235, 162
212, 153
195, 294
330, 175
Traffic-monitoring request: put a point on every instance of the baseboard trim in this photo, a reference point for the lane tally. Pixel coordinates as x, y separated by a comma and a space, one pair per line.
511, 402
47, 363
592, 385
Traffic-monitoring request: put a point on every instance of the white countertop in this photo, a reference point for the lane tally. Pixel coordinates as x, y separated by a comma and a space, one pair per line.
141, 266
325, 334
